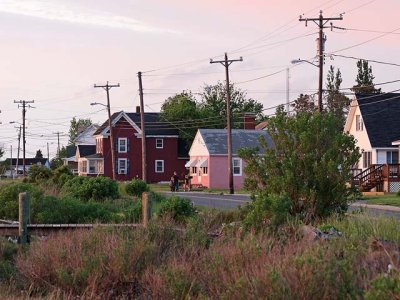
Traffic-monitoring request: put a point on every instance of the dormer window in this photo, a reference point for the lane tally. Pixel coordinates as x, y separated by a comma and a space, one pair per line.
359, 123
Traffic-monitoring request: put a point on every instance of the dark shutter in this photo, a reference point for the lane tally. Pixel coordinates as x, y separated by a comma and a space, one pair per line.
128, 144
116, 145
116, 166
128, 167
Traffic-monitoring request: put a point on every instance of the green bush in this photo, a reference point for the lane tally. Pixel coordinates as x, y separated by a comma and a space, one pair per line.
39, 172
90, 188
398, 193
9, 198
268, 210
70, 211
310, 162
178, 208
133, 213
61, 175
136, 187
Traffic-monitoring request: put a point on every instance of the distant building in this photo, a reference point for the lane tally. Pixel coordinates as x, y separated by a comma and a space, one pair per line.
208, 164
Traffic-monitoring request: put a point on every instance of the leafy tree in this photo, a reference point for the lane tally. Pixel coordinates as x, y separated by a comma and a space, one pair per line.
39, 154
76, 127
1, 152
213, 105
304, 103
305, 173
365, 79
336, 102
184, 109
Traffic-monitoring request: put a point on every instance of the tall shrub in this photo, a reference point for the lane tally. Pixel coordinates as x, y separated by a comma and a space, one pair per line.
91, 188
136, 187
310, 163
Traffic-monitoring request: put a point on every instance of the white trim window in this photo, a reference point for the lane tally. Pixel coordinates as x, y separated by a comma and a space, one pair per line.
122, 145
359, 123
122, 166
159, 143
92, 166
237, 166
204, 170
367, 159
159, 166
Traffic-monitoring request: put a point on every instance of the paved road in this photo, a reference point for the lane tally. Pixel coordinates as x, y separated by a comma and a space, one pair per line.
233, 201
214, 200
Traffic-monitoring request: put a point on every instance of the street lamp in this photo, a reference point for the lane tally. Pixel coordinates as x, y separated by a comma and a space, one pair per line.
297, 61
111, 135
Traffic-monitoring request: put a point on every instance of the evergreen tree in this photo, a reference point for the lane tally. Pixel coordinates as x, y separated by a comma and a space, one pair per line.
336, 102
365, 79
39, 154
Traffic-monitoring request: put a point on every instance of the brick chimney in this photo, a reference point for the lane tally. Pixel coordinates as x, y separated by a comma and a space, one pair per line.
138, 109
249, 121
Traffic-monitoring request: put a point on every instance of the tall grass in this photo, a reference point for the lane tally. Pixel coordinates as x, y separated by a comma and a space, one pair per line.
163, 263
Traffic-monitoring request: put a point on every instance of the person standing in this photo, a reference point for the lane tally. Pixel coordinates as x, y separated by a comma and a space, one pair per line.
176, 181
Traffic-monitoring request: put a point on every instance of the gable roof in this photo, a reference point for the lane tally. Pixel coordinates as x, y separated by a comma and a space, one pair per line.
381, 116
70, 151
85, 137
86, 150
216, 139
154, 124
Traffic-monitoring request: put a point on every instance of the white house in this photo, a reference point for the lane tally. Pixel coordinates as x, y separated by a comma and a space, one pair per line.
374, 121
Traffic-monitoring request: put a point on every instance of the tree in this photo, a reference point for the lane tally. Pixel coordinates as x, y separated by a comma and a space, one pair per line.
305, 173
336, 102
365, 79
58, 160
1, 152
213, 106
304, 103
39, 154
183, 109
76, 127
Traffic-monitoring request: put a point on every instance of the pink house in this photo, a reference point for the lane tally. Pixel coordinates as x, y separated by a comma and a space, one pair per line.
208, 164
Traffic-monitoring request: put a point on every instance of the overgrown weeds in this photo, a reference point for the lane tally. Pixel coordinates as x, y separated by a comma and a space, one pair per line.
164, 262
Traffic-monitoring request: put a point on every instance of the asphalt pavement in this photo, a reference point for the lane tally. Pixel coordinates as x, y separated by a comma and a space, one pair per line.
227, 201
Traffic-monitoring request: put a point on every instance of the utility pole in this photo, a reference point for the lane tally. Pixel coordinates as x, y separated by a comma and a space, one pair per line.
320, 22
24, 105
144, 160
19, 142
58, 143
226, 63
287, 91
107, 88
11, 169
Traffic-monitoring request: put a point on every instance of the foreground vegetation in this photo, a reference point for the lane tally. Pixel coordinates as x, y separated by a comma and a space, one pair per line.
164, 263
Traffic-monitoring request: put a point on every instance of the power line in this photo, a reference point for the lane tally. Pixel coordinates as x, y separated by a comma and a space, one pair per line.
369, 60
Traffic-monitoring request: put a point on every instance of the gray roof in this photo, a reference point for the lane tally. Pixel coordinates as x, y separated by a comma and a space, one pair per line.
216, 139
381, 116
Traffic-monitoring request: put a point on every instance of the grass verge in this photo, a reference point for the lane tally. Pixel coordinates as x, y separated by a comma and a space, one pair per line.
387, 199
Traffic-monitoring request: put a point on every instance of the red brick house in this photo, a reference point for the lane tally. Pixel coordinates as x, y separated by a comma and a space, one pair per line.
166, 151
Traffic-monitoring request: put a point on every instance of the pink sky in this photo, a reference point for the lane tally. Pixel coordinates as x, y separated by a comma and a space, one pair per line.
53, 51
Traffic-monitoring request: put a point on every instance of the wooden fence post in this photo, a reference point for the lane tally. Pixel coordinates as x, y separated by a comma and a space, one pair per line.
146, 208
23, 217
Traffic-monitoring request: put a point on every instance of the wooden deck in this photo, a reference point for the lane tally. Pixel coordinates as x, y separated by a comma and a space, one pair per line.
380, 177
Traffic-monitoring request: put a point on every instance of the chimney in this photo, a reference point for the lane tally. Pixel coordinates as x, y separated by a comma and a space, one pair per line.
138, 109
249, 121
